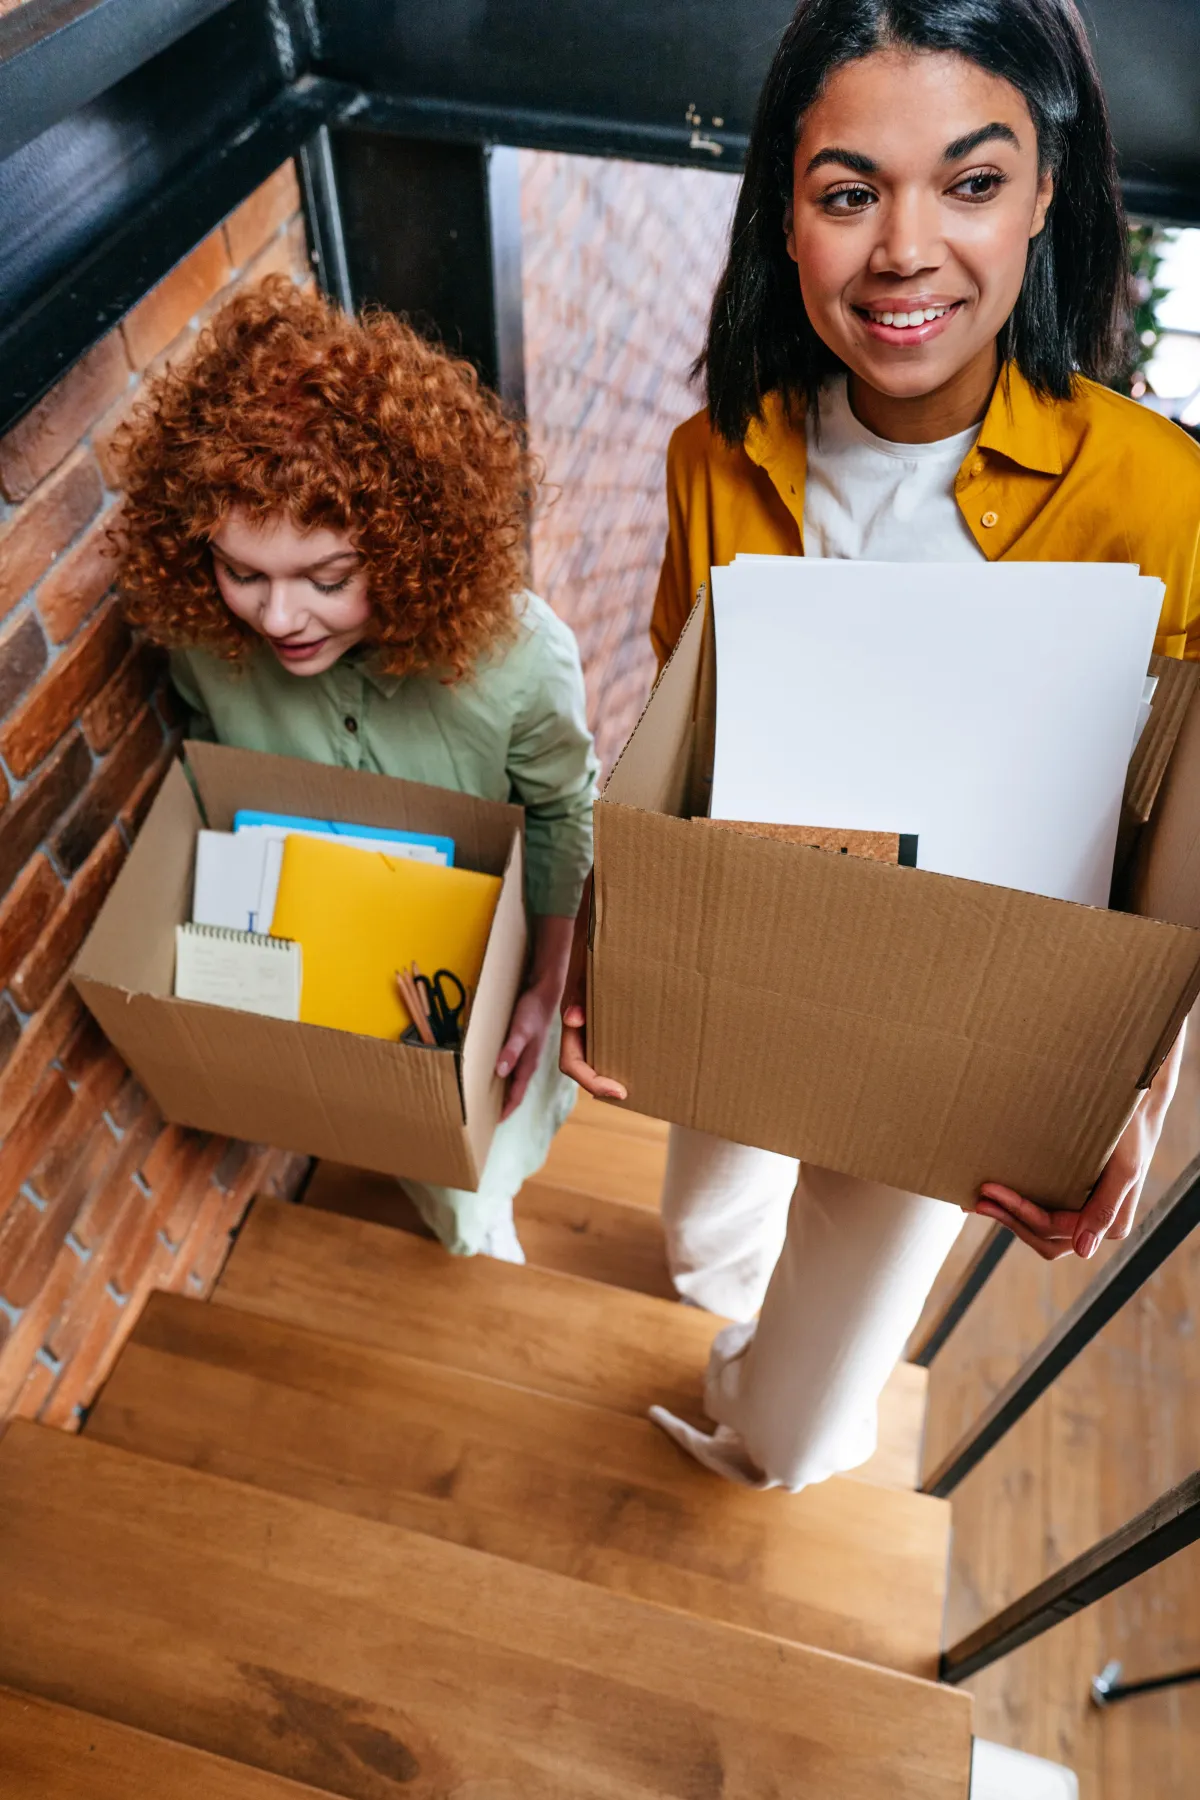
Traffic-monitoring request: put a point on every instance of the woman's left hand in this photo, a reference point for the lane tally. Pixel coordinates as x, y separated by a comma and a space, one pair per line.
536, 1007
1112, 1205
531, 1020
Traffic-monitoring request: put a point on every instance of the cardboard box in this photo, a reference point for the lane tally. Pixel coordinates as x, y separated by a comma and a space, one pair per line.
911, 1028
395, 1108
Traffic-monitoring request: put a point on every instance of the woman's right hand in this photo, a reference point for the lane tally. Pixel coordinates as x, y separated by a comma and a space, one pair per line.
571, 1060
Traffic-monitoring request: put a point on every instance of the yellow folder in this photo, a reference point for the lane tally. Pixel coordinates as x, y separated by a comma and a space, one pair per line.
359, 915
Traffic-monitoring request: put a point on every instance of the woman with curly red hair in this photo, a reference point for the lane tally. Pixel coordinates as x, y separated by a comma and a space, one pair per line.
325, 523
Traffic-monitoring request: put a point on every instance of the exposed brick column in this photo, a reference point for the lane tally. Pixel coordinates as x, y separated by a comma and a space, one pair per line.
99, 1202
620, 262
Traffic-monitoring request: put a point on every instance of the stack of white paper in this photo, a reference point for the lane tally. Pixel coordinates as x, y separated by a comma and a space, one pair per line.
989, 710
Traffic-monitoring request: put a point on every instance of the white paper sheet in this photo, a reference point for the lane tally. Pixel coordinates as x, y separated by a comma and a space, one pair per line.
989, 710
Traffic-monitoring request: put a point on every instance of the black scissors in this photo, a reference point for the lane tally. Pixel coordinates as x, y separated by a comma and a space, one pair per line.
445, 1012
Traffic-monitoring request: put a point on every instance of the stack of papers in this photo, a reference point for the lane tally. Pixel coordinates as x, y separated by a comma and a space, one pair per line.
989, 711
237, 872
310, 920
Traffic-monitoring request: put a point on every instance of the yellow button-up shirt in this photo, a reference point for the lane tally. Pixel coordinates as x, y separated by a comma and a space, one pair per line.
1095, 478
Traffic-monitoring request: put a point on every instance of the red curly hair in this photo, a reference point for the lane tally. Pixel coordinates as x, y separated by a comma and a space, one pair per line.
287, 404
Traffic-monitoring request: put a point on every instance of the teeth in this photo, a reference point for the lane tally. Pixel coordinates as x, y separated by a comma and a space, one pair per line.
922, 316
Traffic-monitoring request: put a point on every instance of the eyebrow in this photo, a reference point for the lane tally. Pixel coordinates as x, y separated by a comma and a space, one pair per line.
325, 562
954, 152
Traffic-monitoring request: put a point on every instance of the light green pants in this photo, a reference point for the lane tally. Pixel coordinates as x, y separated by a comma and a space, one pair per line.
462, 1220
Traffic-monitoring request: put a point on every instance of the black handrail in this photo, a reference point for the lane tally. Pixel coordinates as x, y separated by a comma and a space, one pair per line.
1160, 1233
1166, 1527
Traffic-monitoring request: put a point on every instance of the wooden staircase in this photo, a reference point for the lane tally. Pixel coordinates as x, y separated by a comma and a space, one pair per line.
391, 1525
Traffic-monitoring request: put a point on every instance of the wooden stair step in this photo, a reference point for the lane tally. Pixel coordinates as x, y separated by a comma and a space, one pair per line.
51, 1752
596, 1154
844, 1566
383, 1664
583, 1234
555, 1333
559, 1228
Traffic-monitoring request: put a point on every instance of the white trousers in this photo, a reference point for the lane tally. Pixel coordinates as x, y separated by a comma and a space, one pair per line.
841, 1269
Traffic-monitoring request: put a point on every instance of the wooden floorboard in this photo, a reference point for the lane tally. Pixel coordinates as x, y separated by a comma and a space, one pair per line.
52, 1752
1120, 1427
845, 1566
549, 1332
387, 1665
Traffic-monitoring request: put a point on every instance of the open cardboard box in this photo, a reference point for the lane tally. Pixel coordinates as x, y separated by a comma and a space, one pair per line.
392, 1107
911, 1028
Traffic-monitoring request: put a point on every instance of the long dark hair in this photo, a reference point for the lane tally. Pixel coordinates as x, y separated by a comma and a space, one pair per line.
1071, 313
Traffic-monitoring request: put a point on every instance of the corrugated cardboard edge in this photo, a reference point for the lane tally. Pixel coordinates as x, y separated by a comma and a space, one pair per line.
1177, 681
500, 980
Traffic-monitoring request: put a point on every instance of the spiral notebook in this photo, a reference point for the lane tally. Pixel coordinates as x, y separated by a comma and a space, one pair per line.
242, 970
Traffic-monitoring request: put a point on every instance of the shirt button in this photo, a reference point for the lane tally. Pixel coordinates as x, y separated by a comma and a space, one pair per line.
977, 466
351, 724
989, 519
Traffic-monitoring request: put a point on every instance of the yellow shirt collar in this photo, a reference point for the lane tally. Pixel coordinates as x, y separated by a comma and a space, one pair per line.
1018, 424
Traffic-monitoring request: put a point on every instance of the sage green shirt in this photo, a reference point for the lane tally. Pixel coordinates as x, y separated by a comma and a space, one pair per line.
514, 730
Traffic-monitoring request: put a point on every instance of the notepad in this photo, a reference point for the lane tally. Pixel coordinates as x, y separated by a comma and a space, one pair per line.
360, 915
244, 970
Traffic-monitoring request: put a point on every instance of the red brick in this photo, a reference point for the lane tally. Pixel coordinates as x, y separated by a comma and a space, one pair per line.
131, 1102
39, 1383
103, 721
102, 435
77, 584
259, 217
286, 254
54, 514
59, 1171
33, 814
23, 656
55, 950
47, 434
29, 1332
25, 1140
109, 791
10, 1030
63, 1179
165, 311
86, 1045
33, 898
71, 682
97, 1218
92, 1347
134, 811
41, 1041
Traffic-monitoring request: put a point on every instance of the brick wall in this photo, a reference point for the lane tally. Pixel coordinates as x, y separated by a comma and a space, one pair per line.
620, 261
99, 1202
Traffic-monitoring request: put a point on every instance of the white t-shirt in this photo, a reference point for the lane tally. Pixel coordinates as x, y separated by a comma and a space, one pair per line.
869, 499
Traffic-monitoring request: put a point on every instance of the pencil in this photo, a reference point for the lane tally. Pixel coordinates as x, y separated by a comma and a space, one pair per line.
411, 997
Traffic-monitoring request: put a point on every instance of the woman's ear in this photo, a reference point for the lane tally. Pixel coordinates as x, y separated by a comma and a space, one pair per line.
789, 230
1045, 195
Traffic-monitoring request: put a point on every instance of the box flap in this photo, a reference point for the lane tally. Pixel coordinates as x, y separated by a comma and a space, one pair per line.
230, 779
1172, 697
911, 1028
132, 943
1166, 882
655, 767
499, 984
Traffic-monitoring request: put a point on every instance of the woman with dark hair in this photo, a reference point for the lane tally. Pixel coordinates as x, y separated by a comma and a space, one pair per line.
927, 282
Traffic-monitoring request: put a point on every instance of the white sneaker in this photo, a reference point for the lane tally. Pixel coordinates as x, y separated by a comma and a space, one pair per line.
503, 1243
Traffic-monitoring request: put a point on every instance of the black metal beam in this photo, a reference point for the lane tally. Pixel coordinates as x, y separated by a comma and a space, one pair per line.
56, 55
432, 231
1161, 1232
323, 215
1170, 1525
975, 1277
147, 236
466, 122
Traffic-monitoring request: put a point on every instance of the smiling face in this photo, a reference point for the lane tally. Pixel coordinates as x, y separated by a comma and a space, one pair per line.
304, 592
916, 192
